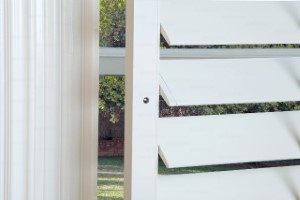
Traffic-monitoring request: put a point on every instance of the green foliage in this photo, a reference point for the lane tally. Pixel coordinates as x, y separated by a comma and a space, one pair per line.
166, 111
112, 23
242, 46
111, 96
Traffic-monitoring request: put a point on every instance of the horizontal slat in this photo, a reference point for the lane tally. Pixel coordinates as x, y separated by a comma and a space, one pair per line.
225, 139
194, 22
229, 81
281, 183
112, 60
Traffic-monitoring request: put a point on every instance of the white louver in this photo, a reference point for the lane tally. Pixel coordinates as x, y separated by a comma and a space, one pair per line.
194, 22
238, 138
280, 183
226, 139
228, 81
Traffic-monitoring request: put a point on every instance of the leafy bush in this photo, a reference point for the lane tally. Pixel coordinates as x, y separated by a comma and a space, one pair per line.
166, 111
112, 23
111, 96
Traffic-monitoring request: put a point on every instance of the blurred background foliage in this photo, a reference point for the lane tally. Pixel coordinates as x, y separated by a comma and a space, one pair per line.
111, 92
111, 97
112, 23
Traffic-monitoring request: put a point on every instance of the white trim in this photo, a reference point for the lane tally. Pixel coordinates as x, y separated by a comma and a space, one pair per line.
112, 60
142, 60
2, 102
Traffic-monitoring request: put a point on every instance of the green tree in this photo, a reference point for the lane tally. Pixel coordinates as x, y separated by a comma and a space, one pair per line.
111, 96
112, 23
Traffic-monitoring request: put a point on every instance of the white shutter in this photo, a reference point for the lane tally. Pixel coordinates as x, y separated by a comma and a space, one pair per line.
205, 77
219, 79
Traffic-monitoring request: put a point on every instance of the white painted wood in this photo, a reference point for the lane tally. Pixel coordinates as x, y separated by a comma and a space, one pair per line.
2, 103
225, 139
228, 81
37, 104
48, 99
49, 90
194, 22
204, 53
18, 102
280, 183
90, 97
112, 60
142, 60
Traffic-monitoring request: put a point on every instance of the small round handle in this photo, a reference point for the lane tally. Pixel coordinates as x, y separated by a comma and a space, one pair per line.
146, 100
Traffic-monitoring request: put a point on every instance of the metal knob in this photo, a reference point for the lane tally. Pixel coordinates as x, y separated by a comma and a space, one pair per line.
146, 100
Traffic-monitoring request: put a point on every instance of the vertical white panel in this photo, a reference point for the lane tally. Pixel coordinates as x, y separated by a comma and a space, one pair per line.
142, 55
18, 81
7, 96
36, 100
90, 84
53, 97
48, 118
2, 82
71, 105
